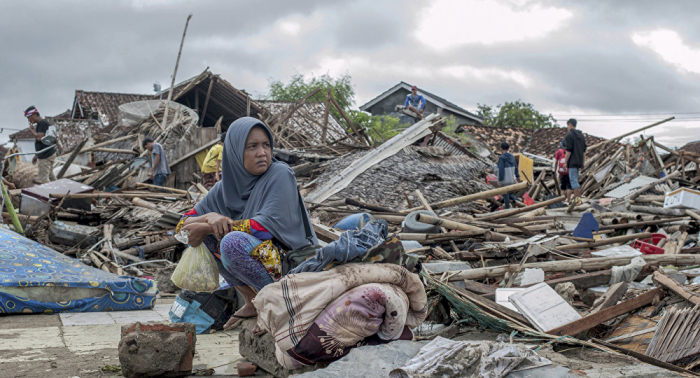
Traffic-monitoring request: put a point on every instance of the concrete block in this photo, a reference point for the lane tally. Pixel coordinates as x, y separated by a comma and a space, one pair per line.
165, 284
157, 350
260, 350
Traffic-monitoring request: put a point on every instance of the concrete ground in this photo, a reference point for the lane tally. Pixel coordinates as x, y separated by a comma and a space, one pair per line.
83, 344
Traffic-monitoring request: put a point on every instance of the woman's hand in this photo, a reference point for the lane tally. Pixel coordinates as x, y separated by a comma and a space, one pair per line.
197, 232
220, 225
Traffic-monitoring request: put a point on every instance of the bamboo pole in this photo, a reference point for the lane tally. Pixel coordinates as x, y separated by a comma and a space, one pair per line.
524, 209
452, 225
641, 224
590, 264
658, 211
598, 243
473, 197
109, 142
114, 195
172, 84
11, 210
630, 133
180, 191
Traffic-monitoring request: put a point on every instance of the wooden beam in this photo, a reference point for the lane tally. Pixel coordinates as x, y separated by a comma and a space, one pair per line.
668, 282
72, 157
479, 288
584, 281
590, 321
325, 234
206, 100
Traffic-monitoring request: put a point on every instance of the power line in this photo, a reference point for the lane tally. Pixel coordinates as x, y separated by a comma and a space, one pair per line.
562, 120
625, 114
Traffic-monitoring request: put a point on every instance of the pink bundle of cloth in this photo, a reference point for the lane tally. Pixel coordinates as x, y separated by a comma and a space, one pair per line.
320, 317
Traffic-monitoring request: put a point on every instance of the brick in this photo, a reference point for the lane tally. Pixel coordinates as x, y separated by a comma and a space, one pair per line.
246, 369
154, 350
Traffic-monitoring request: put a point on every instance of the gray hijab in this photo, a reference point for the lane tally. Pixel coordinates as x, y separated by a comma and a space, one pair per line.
271, 199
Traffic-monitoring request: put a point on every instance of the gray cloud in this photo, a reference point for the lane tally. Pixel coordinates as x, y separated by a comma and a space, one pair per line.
50, 49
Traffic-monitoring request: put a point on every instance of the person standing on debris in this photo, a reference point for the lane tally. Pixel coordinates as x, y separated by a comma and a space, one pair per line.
560, 161
161, 168
507, 173
211, 168
45, 160
575, 145
252, 216
415, 102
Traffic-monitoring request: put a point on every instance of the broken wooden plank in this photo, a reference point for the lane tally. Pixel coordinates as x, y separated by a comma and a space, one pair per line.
668, 282
71, 158
326, 234
479, 288
613, 295
590, 321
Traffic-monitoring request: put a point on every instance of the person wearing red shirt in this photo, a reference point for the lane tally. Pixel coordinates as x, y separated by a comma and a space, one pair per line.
563, 170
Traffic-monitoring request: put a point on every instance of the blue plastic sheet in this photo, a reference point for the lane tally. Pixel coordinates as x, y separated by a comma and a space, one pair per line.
27, 264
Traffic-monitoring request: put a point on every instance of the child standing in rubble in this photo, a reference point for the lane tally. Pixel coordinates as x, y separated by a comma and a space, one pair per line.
563, 170
507, 173
252, 216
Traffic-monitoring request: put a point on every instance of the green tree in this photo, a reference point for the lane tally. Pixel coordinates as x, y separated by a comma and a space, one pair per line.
515, 114
300, 85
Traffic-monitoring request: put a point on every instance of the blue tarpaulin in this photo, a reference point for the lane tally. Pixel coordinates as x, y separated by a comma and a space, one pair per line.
37, 279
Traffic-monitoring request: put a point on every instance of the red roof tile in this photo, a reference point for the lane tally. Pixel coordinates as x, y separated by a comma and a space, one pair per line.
543, 142
692, 147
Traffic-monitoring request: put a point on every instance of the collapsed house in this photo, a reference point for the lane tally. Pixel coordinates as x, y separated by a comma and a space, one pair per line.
616, 273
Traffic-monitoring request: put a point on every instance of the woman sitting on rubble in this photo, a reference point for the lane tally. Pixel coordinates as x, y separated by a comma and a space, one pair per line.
250, 217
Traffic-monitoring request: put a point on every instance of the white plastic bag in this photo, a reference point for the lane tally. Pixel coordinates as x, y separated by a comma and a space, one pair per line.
197, 270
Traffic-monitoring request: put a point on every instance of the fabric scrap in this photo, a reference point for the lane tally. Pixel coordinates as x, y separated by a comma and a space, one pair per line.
448, 358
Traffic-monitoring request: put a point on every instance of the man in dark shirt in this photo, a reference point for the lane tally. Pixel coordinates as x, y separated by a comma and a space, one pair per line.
575, 146
46, 159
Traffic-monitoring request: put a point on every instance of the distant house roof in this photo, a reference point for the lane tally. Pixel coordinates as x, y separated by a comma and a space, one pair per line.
224, 100
437, 100
692, 147
22, 134
543, 142
103, 106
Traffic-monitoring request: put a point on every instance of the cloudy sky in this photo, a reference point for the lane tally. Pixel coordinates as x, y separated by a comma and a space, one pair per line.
614, 65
